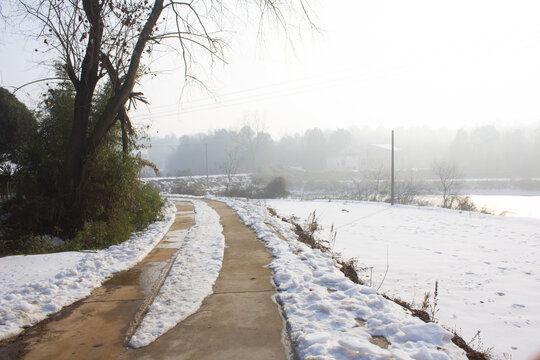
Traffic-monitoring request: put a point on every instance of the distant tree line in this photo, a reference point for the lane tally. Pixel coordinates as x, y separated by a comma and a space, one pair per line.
246, 150
479, 152
488, 152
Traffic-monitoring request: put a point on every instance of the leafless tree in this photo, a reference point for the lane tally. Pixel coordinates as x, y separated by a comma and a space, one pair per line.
407, 191
230, 166
371, 186
448, 181
111, 41
378, 175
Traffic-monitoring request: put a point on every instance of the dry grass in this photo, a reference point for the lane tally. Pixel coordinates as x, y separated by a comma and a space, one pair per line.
306, 234
471, 353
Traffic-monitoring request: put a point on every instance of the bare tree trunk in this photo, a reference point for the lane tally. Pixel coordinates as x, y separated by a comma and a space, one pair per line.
70, 212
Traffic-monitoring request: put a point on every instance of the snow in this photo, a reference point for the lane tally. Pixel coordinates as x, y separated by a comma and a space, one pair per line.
20, 269
510, 205
35, 286
487, 267
330, 317
190, 280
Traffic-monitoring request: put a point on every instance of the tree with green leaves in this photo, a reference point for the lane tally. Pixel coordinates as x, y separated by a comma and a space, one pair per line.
18, 127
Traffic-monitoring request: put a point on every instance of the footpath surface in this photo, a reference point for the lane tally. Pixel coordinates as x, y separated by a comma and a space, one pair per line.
238, 321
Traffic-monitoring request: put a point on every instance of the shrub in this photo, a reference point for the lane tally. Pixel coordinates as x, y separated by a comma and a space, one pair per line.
276, 188
464, 203
241, 190
100, 234
117, 204
188, 187
148, 206
30, 244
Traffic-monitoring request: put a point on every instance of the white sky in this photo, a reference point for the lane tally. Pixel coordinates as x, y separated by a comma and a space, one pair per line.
392, 64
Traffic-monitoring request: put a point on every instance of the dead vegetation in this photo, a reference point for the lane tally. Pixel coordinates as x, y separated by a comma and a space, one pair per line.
306, 234
419, 313
427, 311
472, 354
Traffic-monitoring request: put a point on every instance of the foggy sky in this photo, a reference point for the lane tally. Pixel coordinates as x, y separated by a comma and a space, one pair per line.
392, 64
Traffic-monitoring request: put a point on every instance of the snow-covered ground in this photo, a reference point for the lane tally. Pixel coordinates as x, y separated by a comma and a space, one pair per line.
35, 286
487, 267
329, 316
510, 205
190, 280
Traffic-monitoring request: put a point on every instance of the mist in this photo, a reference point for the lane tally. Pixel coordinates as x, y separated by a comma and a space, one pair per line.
481, 152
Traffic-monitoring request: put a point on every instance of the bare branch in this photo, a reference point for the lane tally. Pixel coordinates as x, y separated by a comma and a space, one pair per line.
34, 82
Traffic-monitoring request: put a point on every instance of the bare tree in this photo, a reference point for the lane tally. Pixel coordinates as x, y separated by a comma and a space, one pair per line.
110, 42
377, 176
371, 186
407, 191
448, 181
230, 166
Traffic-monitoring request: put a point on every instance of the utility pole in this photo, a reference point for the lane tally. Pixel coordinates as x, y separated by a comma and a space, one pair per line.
206, 156
392, 194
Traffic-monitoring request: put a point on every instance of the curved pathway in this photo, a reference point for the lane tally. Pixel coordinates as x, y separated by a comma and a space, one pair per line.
238, 321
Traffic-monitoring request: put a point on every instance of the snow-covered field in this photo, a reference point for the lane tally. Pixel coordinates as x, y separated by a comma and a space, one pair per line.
487, 267
510, 205
190, 280
35, 286
329, 316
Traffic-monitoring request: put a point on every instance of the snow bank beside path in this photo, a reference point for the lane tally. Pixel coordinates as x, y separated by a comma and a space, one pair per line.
190, 280
329, 316
35, 286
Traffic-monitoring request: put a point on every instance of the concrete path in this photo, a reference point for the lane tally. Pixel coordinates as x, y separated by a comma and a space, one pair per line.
96, 327
238, 321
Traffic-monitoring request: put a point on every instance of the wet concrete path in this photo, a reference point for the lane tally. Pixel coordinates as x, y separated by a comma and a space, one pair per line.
96, 327
239, 320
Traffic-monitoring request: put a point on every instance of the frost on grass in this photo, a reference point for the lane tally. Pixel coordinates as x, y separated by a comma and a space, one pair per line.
194, 272
35, 286
330, 317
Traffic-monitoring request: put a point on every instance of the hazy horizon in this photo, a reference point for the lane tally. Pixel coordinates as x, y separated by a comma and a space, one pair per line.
484, 151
